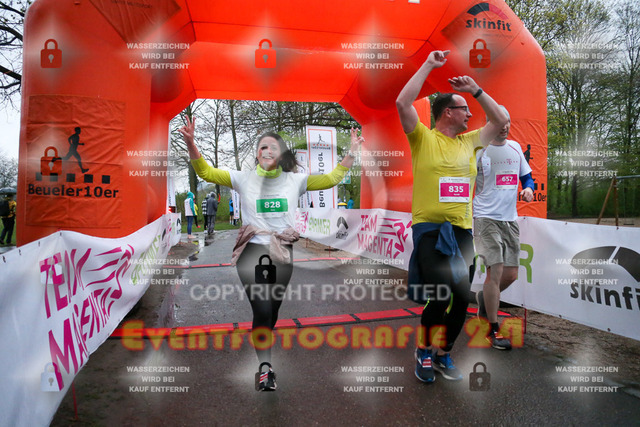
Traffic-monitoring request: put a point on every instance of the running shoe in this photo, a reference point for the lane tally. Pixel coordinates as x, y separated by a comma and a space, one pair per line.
424, 368
267, 379
444, 365
498, 341
482, 309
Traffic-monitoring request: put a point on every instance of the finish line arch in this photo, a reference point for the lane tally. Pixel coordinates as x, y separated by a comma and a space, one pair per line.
103, 78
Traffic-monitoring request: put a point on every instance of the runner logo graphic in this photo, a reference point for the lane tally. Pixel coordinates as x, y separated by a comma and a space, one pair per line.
56, 168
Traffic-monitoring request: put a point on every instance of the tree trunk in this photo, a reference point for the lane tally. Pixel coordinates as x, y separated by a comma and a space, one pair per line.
574, 197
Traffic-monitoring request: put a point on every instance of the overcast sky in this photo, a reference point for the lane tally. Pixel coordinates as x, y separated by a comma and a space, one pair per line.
10, 132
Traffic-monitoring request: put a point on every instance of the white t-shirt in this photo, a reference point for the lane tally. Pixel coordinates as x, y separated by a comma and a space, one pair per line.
268, 203
499, 169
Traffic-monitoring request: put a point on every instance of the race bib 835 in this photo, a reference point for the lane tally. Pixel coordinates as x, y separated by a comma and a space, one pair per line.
454, 189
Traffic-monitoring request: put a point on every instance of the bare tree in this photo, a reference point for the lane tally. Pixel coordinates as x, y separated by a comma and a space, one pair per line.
213, 127
574, 90
12, 15
8, 171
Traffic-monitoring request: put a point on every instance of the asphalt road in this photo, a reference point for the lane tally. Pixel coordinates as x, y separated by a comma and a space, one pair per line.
331, 375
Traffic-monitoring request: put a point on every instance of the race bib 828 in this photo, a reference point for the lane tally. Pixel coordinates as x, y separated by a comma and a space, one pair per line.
269, 207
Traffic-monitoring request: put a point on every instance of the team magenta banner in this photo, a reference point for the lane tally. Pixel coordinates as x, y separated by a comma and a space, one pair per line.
373, 233
61, 297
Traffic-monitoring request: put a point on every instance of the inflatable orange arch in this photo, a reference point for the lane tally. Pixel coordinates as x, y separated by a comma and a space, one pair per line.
103, 78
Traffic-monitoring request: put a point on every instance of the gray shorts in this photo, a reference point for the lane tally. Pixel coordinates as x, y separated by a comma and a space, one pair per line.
497, 242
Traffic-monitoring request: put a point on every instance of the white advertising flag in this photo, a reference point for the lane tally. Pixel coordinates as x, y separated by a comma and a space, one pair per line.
322, 144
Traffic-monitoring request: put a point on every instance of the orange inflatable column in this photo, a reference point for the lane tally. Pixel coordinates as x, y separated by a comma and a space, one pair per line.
85, 116
387, 178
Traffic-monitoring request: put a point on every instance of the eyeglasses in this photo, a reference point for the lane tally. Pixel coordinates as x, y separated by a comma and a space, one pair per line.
464, 107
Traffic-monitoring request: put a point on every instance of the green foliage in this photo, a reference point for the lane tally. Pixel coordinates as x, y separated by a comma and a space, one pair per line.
592, 103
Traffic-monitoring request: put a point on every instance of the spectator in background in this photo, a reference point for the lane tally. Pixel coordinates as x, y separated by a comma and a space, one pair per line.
189, 213
8, 214
204, 212
212, 210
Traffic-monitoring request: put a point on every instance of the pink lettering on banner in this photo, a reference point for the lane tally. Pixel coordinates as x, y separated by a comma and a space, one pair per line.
369, 223
506, 179
82, 317
460, 189
377, 242
50, 275
61, 358
401, 233
302, 221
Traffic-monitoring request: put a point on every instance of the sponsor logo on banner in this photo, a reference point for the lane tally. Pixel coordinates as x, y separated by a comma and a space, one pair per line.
73, 168
81, 287
382, 235
320, 225
606, 275
148, 257
302, 158
342, 228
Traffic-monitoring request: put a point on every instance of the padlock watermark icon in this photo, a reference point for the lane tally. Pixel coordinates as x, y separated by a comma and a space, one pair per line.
479, 381
265, 273
49, 379
50, 165
51, 57
479, 58
265, 58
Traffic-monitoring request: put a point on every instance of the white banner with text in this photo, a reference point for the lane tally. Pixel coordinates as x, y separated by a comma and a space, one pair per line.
322, 148
589, 274
61, 297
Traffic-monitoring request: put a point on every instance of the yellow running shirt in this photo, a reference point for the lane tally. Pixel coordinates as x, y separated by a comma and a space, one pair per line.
444, 174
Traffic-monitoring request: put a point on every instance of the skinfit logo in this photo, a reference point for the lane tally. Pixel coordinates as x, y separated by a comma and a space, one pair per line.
606, 275
501, 24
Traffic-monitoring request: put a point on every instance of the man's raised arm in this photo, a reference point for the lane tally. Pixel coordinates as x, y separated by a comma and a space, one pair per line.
497, 118
404, 103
